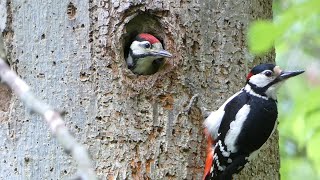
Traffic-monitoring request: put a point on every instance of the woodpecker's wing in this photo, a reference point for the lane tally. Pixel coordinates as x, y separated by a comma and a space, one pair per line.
212, 122
220, 156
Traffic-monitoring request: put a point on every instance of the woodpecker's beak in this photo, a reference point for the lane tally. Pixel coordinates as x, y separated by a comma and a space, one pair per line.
161, 53
286, 75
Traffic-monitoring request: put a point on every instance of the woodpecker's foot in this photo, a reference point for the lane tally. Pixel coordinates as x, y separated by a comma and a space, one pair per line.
205, 112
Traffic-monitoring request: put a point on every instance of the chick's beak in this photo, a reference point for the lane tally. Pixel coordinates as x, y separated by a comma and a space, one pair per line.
161, 53
288, 74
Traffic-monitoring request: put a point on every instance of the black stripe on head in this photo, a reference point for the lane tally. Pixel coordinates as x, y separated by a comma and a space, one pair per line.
138, 56
258, 69
262, 67
259, 90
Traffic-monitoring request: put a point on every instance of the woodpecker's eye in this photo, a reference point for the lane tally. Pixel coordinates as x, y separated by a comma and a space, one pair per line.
268, 73
147, 45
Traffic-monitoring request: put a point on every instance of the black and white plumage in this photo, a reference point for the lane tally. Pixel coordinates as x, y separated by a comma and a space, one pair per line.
146, 54
244, 122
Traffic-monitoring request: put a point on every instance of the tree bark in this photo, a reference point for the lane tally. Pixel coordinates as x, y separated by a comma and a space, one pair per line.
135, 127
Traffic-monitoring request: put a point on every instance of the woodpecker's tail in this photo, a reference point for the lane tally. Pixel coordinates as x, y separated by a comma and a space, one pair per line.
210, 152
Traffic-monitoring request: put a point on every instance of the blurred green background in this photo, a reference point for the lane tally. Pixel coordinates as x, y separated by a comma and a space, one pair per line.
295, 34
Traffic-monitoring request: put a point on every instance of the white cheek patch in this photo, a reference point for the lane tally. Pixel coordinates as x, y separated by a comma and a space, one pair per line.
137, 47
260, 80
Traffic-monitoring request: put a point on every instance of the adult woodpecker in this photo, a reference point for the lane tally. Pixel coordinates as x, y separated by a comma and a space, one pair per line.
146, 54
237, 130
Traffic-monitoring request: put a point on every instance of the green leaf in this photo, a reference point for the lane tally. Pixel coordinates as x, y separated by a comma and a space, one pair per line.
261, 36
313, 150
297, 169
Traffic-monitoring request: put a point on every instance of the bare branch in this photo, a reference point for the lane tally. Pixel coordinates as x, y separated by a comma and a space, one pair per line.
53, 118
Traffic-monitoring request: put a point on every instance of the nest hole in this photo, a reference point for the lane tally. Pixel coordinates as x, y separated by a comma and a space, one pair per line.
141, 23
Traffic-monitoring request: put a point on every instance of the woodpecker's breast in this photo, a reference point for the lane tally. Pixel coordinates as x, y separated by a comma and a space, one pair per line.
144, 65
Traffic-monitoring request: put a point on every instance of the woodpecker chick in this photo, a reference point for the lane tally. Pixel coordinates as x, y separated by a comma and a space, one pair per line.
146, 54
238, 129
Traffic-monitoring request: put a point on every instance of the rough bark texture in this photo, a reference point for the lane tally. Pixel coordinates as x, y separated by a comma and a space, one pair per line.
72, 54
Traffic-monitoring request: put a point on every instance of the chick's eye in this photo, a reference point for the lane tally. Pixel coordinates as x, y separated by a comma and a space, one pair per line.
268, 73
147, 45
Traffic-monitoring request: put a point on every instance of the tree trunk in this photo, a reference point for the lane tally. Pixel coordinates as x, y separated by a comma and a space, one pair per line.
135, 127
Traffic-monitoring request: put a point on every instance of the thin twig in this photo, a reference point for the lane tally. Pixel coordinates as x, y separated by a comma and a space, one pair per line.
53, 118
188, 108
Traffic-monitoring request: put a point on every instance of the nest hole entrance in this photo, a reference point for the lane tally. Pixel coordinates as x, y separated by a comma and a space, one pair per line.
141, 23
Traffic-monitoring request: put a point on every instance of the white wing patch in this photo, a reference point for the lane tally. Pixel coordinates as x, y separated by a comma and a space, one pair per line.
216, 160
222, 150
235, 128
212, 123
